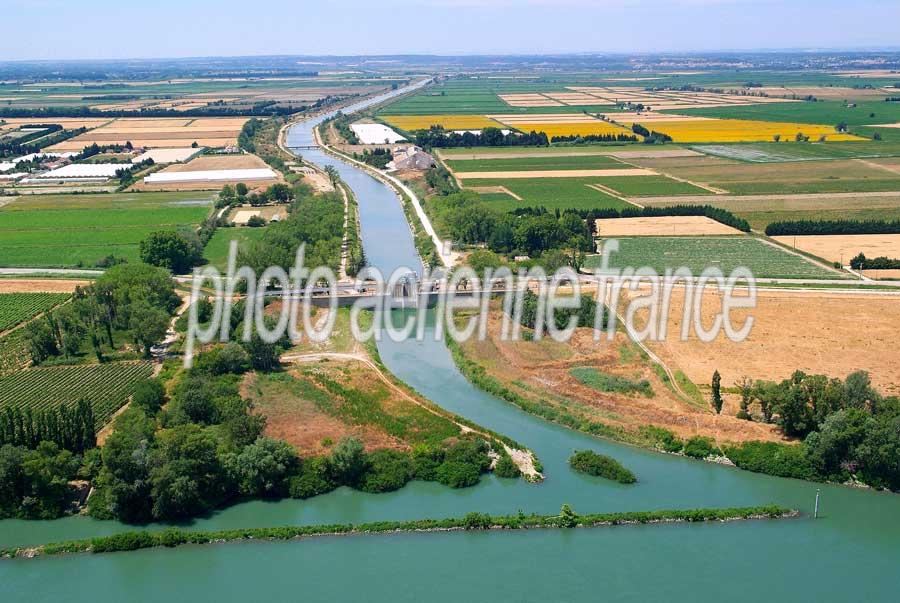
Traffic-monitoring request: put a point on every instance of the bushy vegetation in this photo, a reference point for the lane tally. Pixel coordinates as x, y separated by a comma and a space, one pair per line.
849, 430
588, 461
467, 219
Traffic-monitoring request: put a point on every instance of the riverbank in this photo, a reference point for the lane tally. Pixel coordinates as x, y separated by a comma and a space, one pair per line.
132, 541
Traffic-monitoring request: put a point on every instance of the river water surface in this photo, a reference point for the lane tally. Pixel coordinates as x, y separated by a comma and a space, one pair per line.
851, 553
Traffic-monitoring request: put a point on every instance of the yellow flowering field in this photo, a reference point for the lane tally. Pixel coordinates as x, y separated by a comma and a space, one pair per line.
741, 130
411, 123
571, 129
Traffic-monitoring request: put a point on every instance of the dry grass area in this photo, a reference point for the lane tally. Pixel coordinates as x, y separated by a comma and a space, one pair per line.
812, 331
540, 371
824, 92
48, 285
296, 419
241, 214
662, 226
841, 248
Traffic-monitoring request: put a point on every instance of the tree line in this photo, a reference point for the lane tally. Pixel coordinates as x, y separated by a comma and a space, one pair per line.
829, 227
68, 427
18, 147
861, 262
437, 137
722, 216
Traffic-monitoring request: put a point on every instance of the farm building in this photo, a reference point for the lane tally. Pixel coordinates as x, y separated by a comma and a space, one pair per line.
81, 172
211, 176
410, 158
375, 134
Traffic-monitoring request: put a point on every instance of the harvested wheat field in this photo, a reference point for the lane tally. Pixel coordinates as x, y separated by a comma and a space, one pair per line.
662, 226
159, 133
48, 285
814, 331
841, 248
546, 372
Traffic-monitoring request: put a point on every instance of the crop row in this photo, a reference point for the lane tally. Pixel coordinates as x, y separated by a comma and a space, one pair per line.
19, 307
106, 386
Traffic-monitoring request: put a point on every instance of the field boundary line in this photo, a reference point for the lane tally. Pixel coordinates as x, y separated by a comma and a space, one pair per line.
605, 189
872, 164
814, 261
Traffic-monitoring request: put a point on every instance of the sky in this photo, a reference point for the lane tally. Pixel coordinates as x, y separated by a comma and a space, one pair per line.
91, 29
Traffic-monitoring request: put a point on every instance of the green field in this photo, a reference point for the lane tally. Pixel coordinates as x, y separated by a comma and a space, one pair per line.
19, 307
552, 193
699, 253
525, 164
776, 152
216, 250
650, 186
106, 386
78, 230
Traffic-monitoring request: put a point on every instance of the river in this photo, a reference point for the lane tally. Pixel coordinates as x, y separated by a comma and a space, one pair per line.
851, 552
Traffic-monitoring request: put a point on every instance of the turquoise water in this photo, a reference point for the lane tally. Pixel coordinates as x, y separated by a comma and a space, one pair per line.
852, 552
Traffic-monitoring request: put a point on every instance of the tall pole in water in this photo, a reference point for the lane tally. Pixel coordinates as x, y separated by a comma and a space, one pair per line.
816, 511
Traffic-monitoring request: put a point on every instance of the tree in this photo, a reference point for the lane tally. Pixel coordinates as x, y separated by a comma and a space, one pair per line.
169, 249
148, 325
567, 517
263, 468
717, 392
241, 189
149, 395
332, 174
348, 460
746, 387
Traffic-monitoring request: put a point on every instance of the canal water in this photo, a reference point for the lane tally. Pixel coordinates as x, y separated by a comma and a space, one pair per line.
851, 552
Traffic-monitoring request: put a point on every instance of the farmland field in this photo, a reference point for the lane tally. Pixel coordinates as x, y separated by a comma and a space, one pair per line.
19, 307
737, 130
105, 386
448, 122
651, 186
585, 162
835, 176
552, 193
13, 352
841, 248
79, 230
726, 253
216, 250
774, 152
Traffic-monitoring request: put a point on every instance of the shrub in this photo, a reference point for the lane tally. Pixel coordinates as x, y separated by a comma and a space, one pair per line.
699, 447
662, 438
505, 467
387, 470
127, 541
457, 474
588, 461
772, 458
314, 479
149, 396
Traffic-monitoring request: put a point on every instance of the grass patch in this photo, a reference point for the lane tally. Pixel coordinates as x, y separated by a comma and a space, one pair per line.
79, 230
605, 382
216, 250
699, 253
553, 193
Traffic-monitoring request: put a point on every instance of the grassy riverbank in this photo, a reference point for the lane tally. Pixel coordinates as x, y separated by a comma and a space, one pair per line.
131, 541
